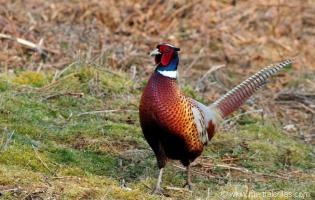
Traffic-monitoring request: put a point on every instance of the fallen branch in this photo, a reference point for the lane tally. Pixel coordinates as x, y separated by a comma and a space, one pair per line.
37, 47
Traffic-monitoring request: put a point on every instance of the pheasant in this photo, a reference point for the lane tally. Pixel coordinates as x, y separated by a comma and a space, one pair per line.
178, 127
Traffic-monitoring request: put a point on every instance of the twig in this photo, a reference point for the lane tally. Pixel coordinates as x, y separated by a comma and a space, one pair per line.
33, 194
57, 65
38, 157
298, 106
47, 87
198, 172
245, 113
307, 108
270, 175
146, 185
57, 75
101, 68
244, 170
179, 10
74, 94
108, 71
227, 167
66, 177
11, 190
302, 98
194, 61
212, 69
104, 111
229, 159
38, 47
134, 72
177, 189
6, 143
285, 47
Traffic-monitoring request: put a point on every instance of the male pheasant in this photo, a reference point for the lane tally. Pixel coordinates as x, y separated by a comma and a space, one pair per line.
178, 127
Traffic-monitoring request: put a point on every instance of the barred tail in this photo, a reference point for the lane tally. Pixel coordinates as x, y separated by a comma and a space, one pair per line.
233, 99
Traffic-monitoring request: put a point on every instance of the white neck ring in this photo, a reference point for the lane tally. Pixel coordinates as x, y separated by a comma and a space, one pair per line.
170, 74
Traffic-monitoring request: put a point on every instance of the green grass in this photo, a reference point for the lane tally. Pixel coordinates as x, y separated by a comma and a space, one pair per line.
56, 151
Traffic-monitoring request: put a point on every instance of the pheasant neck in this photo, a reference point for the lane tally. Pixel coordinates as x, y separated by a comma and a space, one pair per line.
169, 70
170, 74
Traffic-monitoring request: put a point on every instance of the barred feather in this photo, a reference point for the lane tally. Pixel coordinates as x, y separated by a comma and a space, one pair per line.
233, 99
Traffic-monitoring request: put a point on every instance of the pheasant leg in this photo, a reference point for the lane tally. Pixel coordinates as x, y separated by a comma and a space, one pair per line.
188, 180
158, 189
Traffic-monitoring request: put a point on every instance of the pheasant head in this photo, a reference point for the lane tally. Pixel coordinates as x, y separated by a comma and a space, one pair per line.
166, 59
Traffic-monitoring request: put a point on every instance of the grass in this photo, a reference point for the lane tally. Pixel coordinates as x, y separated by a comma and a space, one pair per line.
56, 151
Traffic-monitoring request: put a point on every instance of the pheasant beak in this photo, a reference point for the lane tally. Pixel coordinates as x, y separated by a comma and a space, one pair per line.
155, 52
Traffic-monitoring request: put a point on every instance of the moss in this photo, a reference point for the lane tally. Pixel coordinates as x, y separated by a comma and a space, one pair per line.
35, 79
10, 174
4, 85
98, 163
119, 193
24, 156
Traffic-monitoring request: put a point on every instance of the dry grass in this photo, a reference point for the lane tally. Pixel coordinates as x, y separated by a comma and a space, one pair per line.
249, 32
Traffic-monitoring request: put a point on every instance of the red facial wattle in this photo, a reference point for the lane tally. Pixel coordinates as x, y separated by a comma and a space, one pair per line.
166, 55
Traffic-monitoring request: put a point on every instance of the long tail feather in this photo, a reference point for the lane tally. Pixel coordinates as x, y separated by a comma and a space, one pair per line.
233, 99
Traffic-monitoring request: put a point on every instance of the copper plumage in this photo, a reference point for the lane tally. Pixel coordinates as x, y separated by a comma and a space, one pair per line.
178, 127
167, 121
